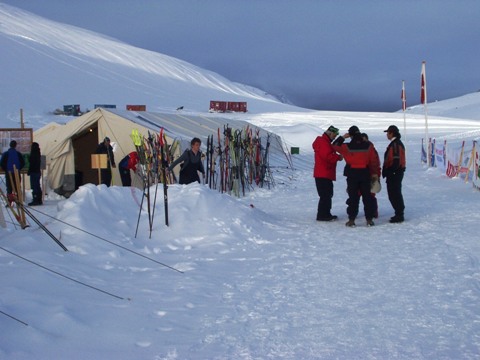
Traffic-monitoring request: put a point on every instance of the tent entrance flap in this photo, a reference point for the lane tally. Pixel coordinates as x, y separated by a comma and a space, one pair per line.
84, 145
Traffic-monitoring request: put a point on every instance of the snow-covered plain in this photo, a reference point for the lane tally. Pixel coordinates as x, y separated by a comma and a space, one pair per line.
255, 277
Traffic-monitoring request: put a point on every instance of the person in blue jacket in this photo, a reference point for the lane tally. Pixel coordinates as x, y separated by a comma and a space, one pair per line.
11, 159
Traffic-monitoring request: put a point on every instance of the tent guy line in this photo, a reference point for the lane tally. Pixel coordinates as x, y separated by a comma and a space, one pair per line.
108, 241
64, 276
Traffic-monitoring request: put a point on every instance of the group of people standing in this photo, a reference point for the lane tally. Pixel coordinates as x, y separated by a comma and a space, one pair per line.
362, 169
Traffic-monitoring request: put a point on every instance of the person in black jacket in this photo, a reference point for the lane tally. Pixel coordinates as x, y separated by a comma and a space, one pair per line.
35, 173
105, 148
192, 163
11, 159
394, 166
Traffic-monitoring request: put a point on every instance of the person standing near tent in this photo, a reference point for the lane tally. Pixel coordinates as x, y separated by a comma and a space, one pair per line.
128, 163
192, 163
394, 166
35, 173
362, 163
105, 148
324, 172
11, 159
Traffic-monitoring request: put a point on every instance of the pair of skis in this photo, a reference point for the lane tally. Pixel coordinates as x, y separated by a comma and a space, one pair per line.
152, 153
14, 203
210, 168
13, 200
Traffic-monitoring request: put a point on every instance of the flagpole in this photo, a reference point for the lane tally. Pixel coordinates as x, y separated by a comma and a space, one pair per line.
423, 99
404, 108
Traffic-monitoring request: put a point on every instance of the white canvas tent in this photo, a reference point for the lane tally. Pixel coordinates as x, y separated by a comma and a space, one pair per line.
68, 147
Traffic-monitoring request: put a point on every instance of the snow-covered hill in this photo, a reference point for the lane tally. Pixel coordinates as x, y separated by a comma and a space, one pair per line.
46, 65
463, 107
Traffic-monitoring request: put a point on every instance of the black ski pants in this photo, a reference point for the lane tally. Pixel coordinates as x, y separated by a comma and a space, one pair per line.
394, 190
125, 176
359, 186
106, 176
325, 192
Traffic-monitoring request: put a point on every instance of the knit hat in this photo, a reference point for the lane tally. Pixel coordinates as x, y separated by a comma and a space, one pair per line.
106, 139
333, 130
353, 130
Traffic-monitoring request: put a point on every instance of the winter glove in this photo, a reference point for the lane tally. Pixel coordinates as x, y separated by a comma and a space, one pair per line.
375, 186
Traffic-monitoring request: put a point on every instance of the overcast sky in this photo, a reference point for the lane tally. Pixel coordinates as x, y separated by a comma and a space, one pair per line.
321, 54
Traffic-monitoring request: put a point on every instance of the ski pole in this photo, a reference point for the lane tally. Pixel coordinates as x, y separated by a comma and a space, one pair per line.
43, 227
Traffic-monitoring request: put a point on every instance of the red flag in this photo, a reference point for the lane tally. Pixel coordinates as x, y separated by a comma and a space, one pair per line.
403, 97
423, 87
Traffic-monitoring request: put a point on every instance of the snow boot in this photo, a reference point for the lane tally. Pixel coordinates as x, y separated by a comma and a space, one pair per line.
397, 219
37, 200
350, 223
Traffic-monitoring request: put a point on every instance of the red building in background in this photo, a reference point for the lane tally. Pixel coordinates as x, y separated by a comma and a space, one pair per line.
137, 107
228, 106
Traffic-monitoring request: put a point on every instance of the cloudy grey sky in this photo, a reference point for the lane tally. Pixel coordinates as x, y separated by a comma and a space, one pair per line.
321, 54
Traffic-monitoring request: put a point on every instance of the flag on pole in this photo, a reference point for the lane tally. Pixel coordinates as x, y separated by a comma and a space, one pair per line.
423, 99
423, 87
403, 97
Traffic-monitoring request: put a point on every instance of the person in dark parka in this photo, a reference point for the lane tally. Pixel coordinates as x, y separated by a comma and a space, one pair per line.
192, 163
35, 173
362, 162
105, 148
394, 166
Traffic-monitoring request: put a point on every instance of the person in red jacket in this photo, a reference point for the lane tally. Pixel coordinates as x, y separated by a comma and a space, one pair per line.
128, 163
375, 176
324, 172
361, 163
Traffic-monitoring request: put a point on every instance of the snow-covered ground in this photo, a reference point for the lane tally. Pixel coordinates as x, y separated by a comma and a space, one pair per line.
255, 277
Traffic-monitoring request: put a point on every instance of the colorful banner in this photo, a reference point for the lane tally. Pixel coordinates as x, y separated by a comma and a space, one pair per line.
439, 155
476, 167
